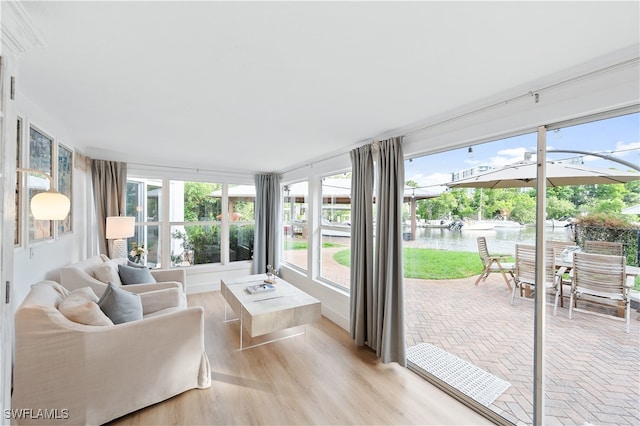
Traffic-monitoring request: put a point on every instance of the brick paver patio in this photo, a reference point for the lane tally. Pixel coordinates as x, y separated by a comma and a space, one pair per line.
592, 365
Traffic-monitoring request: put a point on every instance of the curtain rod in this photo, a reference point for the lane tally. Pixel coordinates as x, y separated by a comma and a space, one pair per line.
530, 93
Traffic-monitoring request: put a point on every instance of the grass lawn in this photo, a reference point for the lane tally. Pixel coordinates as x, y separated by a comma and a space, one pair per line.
431, 264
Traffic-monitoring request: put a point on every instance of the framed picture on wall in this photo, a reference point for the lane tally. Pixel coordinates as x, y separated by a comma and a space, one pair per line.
65, 184
40, 158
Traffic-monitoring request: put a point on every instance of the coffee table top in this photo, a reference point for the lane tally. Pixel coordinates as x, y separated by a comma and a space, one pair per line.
285, 296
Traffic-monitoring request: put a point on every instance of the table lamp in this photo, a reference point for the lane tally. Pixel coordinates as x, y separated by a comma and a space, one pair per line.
119, 228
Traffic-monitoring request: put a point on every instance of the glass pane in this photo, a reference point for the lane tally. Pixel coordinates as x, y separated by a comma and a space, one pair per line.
195, 244
40, 158
65, 181
146, 237
195, 201
154, 202
135, 200
295, 243
442, 264
242, 220
335, 228
241, 242
609, 388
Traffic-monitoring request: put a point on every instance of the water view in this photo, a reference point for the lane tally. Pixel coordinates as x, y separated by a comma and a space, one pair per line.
499, 240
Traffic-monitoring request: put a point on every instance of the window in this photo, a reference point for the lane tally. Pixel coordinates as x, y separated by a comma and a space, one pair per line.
195, 225
335, 230
295, 229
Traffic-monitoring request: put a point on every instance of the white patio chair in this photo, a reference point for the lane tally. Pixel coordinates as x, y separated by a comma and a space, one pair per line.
600, 279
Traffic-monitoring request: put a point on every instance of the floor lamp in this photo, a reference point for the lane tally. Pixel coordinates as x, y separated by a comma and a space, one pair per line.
119, 228
48, 205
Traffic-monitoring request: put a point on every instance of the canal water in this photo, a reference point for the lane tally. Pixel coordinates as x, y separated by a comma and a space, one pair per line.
499, 240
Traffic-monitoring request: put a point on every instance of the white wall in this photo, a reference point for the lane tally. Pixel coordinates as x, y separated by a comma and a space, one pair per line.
35, 262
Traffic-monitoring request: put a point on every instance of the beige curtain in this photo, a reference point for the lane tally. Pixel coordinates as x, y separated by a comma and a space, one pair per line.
109, 191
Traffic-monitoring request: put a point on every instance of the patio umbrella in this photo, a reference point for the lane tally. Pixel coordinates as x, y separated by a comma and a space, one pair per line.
523, 174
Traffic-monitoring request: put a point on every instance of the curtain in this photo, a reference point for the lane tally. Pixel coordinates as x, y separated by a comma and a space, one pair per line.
377, 293
388, 270
266, 241
362, 245
109, 191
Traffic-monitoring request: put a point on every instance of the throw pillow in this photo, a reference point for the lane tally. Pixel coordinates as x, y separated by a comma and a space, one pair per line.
120, 305
107, 272
133, 275
80, 306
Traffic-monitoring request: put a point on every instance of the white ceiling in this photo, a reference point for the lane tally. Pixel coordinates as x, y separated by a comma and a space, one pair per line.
239, 86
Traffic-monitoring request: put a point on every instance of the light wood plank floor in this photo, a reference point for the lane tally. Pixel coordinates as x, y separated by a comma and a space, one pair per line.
317, 378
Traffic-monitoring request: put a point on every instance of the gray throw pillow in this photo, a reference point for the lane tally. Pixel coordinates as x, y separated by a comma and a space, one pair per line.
134, 275
120, 305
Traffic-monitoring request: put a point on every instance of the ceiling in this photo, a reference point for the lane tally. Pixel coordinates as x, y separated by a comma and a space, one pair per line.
262, 86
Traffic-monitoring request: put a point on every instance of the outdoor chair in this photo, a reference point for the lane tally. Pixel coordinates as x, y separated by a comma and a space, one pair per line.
600, 279
525, 272
493, 263
559, 245
604, 247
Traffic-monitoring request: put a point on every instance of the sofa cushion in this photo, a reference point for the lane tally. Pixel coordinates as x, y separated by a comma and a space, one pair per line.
134, 275
120, 305
107, 272
80, 306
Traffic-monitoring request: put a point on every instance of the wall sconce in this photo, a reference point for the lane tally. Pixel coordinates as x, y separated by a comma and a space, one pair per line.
48, 205
118, 228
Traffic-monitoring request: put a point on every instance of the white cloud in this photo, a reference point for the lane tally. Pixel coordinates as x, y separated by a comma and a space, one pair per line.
430, 180
627, 149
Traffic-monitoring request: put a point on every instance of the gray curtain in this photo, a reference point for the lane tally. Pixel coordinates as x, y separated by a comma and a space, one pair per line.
377, 293
266, 242
362, 294
388, 270
109, 191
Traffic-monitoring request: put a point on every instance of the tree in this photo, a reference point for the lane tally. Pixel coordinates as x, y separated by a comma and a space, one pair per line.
199, 204
559, 208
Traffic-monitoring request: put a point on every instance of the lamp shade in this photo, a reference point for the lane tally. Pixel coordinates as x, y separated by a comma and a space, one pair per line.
50, 205
120, 227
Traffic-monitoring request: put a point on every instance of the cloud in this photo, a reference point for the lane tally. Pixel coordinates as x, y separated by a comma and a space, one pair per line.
433, 179
627, 149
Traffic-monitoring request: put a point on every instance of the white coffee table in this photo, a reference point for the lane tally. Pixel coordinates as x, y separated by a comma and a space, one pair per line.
265, 313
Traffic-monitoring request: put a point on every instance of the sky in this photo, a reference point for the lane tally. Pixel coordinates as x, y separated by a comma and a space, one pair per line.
618, 137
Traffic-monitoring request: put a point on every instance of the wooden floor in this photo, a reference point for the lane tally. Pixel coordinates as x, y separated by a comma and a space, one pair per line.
317, 378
